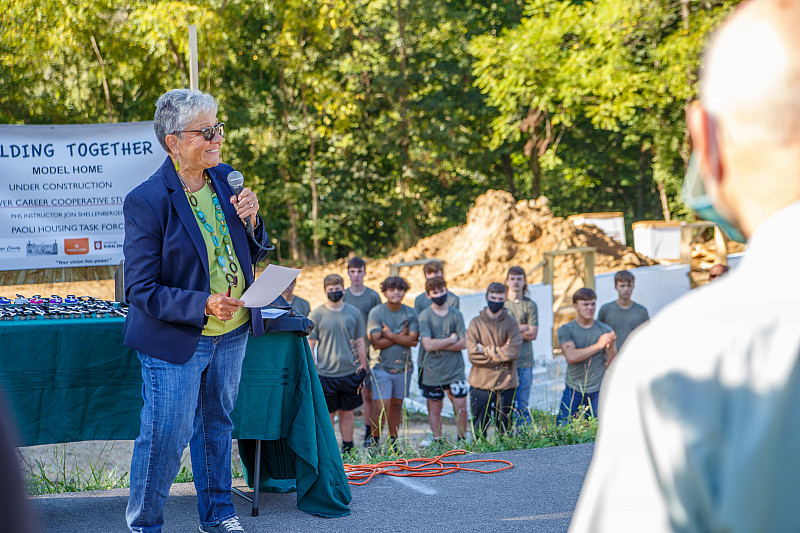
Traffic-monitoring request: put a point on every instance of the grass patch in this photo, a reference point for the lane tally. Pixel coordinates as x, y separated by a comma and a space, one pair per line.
542, 433
52, 476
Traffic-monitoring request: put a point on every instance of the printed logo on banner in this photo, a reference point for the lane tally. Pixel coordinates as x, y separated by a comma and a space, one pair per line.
76, 246
98, 245
41, 248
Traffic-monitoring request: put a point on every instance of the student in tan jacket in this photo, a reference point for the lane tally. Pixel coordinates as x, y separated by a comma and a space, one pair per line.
493, 344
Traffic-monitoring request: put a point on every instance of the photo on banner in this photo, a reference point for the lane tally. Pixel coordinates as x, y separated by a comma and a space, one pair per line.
62, 188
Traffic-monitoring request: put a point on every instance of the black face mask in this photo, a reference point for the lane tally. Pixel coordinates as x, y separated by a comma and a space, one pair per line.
495, 306
440, 300
335, 296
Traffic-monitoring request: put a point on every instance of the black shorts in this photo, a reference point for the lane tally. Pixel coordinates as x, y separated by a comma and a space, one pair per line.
459, 389
342, 394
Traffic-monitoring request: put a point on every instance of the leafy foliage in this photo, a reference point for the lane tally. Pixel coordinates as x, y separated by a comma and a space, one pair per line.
366, 124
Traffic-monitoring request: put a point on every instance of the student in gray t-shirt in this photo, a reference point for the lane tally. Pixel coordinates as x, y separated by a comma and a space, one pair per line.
393, 331
433, 269
341, 355
588, 346
525, 312
365, 299
623, 315
299, 305
441, 363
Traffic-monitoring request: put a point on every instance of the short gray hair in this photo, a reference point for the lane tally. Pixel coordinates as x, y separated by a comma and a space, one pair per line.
176, 109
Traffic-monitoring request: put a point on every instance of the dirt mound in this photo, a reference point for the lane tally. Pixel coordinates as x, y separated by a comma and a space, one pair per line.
498, 234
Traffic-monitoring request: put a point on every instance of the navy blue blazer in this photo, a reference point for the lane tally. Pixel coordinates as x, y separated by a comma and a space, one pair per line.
167, 279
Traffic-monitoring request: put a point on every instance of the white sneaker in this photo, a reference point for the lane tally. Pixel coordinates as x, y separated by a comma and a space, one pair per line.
427, 441
231, 525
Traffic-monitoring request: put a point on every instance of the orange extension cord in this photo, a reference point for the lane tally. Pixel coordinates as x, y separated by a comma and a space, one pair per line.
429, 468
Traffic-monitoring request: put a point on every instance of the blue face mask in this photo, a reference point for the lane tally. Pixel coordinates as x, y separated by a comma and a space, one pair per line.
695, 196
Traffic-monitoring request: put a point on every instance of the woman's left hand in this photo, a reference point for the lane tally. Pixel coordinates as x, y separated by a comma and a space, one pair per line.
246, 205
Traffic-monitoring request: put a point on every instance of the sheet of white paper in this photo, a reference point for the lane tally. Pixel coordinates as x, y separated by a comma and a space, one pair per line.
269, 285
267, 312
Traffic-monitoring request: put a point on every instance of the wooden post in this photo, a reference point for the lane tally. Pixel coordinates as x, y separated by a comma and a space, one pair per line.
721, 249
194, 83
548, 278
687, 235
588, 269
547, 275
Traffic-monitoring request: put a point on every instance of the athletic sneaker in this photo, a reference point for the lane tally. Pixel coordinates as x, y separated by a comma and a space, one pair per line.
427, 441
226, 526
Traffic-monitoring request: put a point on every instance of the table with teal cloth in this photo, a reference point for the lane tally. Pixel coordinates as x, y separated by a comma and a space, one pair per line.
72, 380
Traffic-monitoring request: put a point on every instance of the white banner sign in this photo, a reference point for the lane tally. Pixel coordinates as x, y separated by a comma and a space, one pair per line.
62, 188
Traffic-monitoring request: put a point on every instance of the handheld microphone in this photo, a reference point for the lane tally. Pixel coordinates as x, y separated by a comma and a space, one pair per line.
236, 181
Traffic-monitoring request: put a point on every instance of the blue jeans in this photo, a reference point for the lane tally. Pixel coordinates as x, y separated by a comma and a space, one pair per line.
522, 415
184, 403
572, 401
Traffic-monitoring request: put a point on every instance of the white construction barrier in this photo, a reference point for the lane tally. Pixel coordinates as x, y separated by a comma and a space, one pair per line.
612, 224
658, 239
655, 287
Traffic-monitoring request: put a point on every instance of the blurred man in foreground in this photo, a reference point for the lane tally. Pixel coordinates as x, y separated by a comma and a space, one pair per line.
700, 424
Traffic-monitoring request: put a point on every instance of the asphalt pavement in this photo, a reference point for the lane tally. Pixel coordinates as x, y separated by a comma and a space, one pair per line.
538, 494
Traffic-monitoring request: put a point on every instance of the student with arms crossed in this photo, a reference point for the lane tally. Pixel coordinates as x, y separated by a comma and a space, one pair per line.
393, 331
525, 312
493, 343
338, 333
623, 315
364, 298
442, 334
588, 346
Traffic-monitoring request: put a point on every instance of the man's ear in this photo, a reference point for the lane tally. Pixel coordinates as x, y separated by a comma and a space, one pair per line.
705, 145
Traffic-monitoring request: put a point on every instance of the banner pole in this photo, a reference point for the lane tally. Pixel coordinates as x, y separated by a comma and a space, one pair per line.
193, 80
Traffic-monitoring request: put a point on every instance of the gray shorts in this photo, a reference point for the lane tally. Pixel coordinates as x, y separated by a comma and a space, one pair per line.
386, 385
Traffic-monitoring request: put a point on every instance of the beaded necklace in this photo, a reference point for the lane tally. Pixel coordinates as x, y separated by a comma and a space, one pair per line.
231, 274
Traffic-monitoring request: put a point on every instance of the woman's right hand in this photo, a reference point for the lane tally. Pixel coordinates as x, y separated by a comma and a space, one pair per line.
222, 306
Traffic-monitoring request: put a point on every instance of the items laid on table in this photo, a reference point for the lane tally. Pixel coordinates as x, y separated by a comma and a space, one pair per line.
70, 306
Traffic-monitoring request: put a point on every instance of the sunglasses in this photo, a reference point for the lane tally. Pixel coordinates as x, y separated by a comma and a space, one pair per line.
209, 132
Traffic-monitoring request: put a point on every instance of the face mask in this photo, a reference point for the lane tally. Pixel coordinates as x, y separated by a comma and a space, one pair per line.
695, 196
440, 300
335, 296
494, 307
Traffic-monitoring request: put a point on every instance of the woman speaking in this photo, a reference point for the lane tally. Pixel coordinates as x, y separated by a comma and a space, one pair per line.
188, 260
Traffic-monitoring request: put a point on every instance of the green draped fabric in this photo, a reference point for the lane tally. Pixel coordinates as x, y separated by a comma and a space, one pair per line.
72, 380
284, 406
